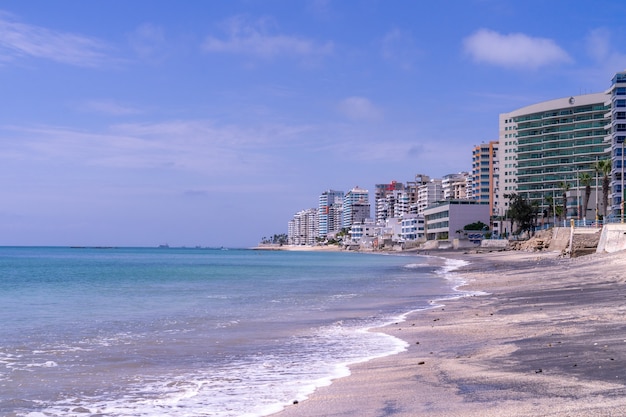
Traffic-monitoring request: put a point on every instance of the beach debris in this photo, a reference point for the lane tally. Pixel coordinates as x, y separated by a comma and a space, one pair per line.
295, 402
421, 363
538, 371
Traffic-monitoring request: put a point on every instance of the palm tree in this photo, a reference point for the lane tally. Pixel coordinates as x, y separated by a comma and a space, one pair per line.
550, 201
564, 186
586, 180
603, 167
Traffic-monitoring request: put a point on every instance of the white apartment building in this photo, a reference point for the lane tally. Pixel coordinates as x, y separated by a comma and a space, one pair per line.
405, 203
428, 194
386, 200
302, 228
412, 228
361, 232
455, 186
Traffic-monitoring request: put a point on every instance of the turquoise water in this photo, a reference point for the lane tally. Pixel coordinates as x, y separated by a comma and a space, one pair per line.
194, 332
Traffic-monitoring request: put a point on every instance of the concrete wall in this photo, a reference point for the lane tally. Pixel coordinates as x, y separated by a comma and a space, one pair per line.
560, 238
613, 238
494, 243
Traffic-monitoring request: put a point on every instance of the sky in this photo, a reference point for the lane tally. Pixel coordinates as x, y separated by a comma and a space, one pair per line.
211, 123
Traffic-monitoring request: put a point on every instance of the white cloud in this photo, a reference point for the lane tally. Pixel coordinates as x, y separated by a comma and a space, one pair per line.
22, 40
253, 39
515, 50
359, 108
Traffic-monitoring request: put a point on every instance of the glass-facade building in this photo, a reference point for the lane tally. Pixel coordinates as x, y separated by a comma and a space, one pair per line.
356, 206
616, 135
329, 208
549, 145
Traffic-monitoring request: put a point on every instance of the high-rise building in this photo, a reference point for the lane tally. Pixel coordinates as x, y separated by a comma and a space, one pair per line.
485, 170
428, 194
329, 212
356, 206
546, 147
616, 135
408, 200
302, 228
455, 186
386, 199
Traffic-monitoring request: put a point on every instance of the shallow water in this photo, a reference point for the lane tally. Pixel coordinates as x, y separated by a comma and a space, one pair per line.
194, 332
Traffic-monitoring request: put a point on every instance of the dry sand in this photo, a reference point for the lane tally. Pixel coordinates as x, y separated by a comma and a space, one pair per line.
549, 339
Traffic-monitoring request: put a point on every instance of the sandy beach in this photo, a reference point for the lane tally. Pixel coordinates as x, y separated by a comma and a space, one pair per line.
547, 339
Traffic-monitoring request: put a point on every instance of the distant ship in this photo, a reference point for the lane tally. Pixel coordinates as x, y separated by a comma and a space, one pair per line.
165, 246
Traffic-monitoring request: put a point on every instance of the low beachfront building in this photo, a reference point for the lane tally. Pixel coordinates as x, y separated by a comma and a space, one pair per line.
446, 220
412, 228
364, 234
364, 229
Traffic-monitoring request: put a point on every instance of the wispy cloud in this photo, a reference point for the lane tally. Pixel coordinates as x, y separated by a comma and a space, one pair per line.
515, 50
149, 42
600, 48
187, 145
110, 107
254, 38
359, 108
399, 47
19, 40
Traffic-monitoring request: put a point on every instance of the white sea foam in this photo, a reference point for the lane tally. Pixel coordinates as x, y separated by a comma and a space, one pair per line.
250, 388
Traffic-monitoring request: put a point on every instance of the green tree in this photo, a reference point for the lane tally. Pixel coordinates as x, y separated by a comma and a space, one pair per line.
550, 202
522, 213
476, 226
603, 168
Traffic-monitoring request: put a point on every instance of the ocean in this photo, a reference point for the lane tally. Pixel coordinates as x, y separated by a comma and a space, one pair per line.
195, 332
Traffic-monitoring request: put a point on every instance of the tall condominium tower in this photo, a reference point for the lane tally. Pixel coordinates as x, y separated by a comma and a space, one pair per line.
616, 135
485, 170
330, 209
428, 194
547, 147
386, 199
455, 186
302, 228
356, 206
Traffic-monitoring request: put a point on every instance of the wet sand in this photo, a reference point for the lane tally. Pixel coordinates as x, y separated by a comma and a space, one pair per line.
549, 339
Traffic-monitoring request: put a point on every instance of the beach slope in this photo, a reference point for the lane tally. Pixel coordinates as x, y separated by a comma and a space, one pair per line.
548, 339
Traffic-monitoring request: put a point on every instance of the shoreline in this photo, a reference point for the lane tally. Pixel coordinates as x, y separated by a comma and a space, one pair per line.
545, 338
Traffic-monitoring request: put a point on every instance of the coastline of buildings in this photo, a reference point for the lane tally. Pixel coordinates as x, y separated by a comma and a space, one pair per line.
563, 156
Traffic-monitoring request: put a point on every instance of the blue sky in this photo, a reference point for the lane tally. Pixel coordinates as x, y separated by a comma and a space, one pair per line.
136, 123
